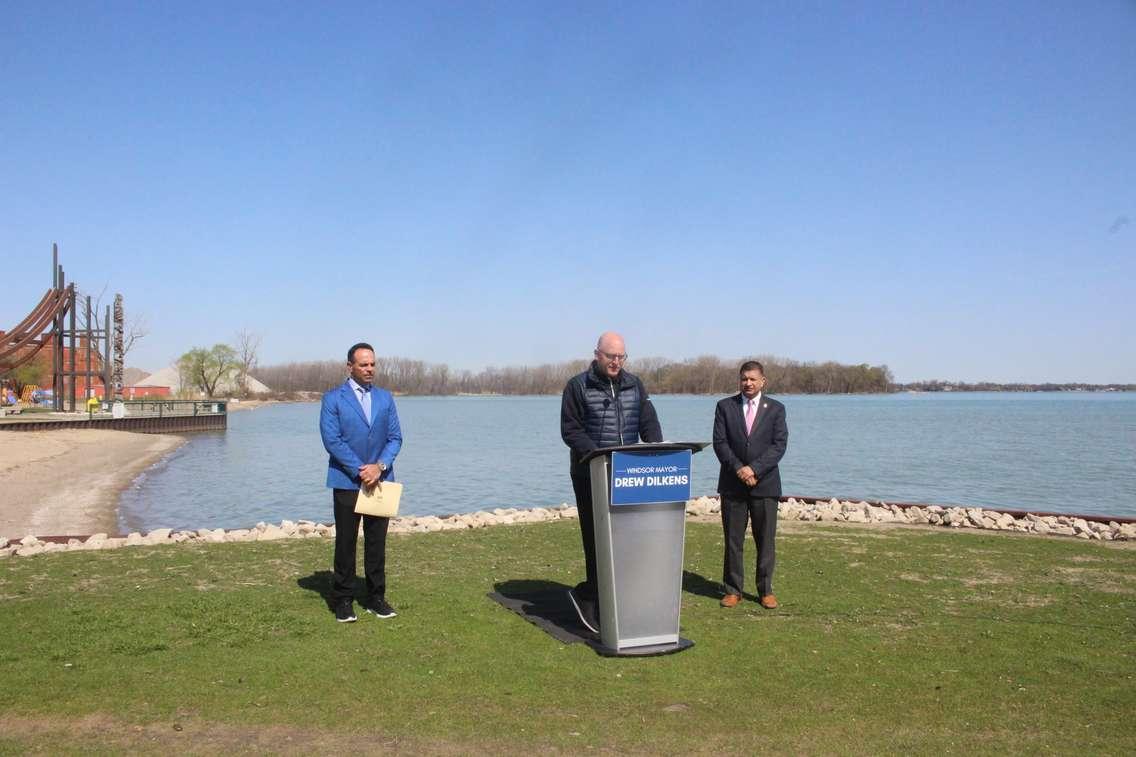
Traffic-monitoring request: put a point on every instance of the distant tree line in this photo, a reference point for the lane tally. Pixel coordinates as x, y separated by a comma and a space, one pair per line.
702, 375
990, 386
713, 375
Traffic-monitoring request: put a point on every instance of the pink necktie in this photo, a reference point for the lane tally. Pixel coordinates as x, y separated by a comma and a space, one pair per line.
749, 416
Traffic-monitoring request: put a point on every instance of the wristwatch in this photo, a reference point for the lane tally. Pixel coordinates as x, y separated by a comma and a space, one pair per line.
382, 467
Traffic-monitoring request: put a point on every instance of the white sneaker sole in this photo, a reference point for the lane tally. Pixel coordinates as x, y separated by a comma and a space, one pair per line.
384, 617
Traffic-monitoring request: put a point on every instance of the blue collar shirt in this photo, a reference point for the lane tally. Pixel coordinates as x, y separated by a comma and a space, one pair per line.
363, 394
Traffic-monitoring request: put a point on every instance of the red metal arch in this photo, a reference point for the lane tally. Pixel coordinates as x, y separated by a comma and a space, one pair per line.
30, 335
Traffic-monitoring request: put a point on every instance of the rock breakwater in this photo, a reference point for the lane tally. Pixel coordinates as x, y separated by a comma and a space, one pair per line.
830, 511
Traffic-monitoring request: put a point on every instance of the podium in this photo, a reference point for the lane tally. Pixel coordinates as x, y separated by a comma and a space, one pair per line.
639, 494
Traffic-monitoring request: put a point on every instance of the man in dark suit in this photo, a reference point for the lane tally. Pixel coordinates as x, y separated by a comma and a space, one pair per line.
360, 431
750, 437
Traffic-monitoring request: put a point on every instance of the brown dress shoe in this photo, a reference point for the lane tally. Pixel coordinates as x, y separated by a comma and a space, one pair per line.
730, 600
769, 602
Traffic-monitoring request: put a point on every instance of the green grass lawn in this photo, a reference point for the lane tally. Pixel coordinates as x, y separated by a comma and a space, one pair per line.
887, 640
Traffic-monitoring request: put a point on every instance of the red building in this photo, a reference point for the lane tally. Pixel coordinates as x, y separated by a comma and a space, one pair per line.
82, 391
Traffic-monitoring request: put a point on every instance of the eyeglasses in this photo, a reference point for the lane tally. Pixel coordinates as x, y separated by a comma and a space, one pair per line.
614, 357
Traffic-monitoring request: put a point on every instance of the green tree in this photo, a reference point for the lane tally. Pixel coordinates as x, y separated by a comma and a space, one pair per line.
205, 370
31, 372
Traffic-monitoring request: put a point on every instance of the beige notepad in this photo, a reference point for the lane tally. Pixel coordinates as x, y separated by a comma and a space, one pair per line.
381, 499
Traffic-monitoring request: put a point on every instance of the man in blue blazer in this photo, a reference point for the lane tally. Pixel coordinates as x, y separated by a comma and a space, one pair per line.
360, 431
750, 438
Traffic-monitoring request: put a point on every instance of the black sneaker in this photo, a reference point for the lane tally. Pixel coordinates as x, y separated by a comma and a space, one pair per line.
379, 608
345, 612
586, 610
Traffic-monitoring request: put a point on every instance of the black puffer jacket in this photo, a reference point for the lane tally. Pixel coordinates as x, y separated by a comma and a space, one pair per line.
597, 411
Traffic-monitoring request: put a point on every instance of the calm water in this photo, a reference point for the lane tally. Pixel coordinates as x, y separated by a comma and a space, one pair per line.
1068, 452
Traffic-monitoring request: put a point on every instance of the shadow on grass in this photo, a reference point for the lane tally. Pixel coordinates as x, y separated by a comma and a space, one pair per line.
693, 583
545, 604
321, 582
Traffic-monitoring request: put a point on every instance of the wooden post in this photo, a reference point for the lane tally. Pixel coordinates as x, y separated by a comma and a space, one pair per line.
89, 335
119, 357
57, 342
107, 393
71, 332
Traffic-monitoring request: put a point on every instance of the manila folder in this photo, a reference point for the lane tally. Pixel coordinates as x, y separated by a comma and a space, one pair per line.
380, 499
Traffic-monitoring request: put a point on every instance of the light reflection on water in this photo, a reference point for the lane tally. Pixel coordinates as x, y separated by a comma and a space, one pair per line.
1067, 452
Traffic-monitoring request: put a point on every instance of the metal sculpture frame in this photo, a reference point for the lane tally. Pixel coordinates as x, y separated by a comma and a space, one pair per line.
51, 323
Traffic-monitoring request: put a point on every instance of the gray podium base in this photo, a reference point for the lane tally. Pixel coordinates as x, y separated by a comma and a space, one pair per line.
649, 650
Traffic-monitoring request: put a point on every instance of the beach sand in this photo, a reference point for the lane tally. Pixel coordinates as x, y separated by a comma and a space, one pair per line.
68, 481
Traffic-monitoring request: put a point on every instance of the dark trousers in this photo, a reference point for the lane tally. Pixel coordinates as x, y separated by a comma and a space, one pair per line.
346, 538
582, 486
761, 512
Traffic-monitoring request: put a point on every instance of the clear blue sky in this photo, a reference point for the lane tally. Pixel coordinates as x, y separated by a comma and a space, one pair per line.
948, 188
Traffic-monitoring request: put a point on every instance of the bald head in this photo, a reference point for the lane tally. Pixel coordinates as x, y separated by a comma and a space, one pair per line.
610, 341
610, 353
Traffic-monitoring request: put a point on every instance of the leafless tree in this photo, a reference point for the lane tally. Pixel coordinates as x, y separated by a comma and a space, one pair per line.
248, 356
135, 329
81, 296
706, 374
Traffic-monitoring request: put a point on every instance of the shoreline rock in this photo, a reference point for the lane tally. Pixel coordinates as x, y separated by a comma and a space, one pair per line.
699, 508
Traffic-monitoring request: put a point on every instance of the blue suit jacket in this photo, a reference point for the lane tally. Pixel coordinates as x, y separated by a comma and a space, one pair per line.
350, 442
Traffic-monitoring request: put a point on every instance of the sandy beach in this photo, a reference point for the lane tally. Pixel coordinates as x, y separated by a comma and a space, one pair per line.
68, 481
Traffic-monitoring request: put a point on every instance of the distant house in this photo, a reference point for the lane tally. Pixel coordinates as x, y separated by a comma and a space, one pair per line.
142, 391
169, 379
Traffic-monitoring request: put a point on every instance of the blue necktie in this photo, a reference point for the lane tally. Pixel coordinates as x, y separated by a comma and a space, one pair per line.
365, 400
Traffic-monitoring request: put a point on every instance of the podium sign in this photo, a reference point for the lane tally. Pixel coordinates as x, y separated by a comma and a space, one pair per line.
639, 495
641, 478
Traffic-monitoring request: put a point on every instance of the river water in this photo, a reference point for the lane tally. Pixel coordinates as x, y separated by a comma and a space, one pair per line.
1066, 452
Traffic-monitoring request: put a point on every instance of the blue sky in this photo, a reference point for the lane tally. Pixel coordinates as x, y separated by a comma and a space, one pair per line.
948, 188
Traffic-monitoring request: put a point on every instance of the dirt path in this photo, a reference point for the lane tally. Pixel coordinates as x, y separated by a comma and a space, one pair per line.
191, 735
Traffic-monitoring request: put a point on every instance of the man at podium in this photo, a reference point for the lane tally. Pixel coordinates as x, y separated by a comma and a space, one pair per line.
604, 406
